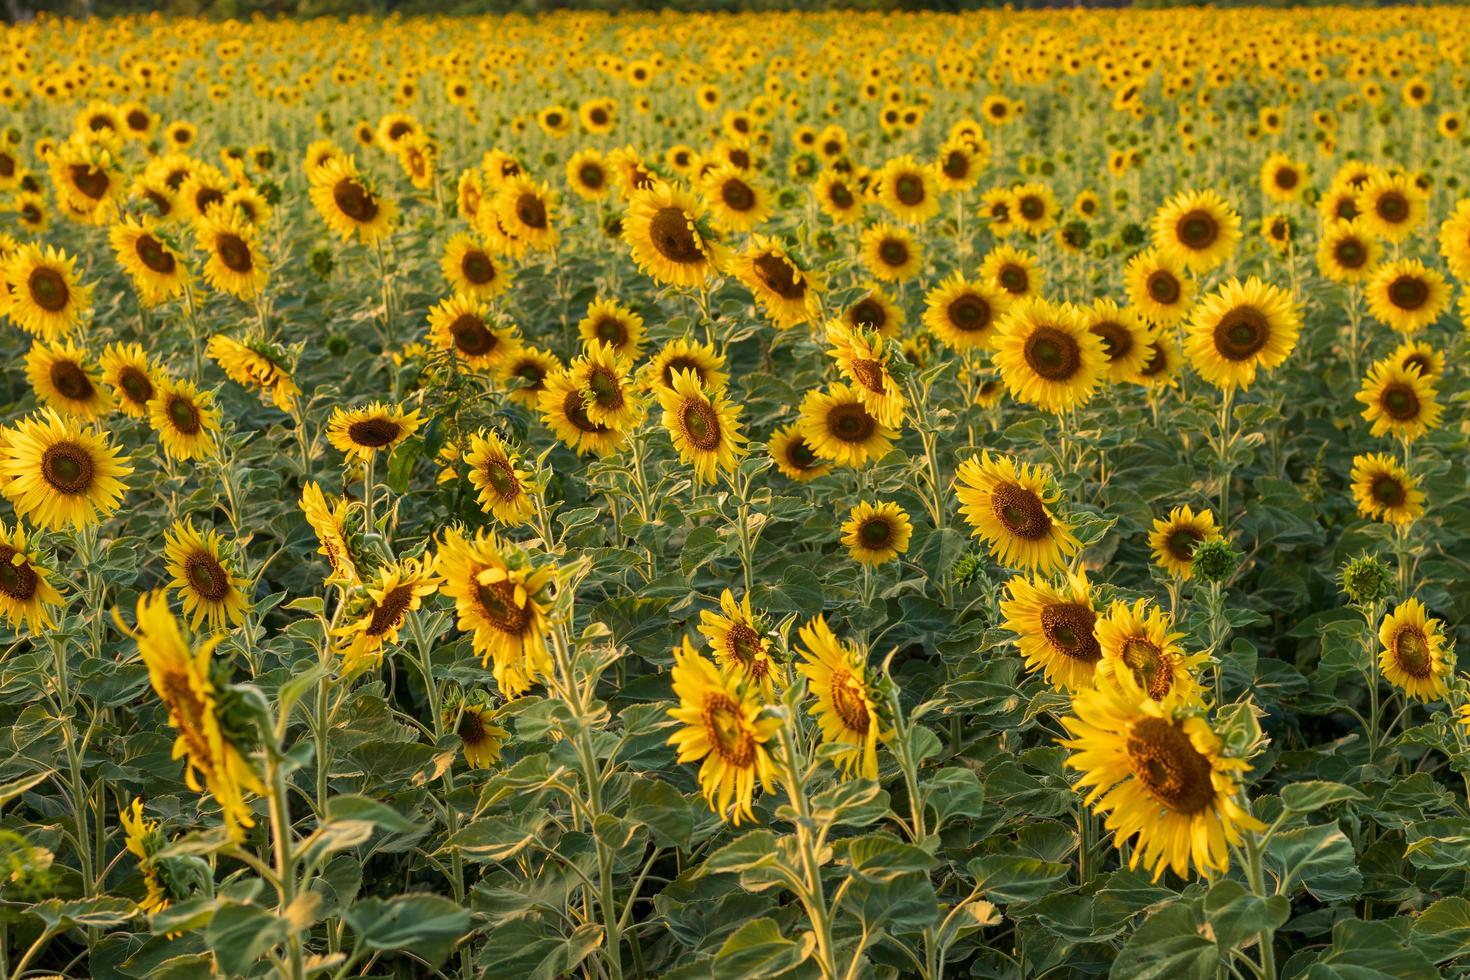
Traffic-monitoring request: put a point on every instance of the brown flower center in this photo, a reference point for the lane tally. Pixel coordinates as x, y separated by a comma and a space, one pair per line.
477, 268
184, 415
847, 702
779, 276
1241, 333
1014, 279
969, 313
726, 733
736, 195
1021, 511
1388, 490
1168, 765
531, 211
1350, 253
610, 330
135, 385
389, 613
234, 252
850, 423
576, 413
18, 580
1163, 287
68, 468
1182, 541
701, 424
91, 181
1411, 652
68, 378
869, 374
875, 533
374, 433
207, 576
1068, 627
909, 189
868, 314
1392, 207
1400, 402
1408, 292
471, 336
353, 200
672, 234
1053, 354
498, 603
153, 255
893, 253
799, 455
48, 290
1116, 340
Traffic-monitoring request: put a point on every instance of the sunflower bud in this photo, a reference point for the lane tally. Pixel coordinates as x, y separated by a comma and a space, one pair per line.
322, 263
1216, 560
968, 569
1365, 580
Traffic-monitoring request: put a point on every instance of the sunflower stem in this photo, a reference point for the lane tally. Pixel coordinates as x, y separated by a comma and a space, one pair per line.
1256, 871
813, 897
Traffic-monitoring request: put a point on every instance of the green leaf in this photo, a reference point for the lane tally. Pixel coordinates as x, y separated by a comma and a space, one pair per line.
1442, 931
241, 934
953, 791
701, 546
91, 913
1310, 796
1318, 858
1006, 878
880, 858
1168, 946
852, 802
1366, 951
352, 806
1236, 915
12, 789
660, 808
753, 850
429, 925
758, 950
1438, 844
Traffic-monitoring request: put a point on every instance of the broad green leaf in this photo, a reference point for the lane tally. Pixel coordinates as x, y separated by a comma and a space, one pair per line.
1236, 915
1007, 878
758, 950
660, 808
1318, 858
1170, 945
1442, 931
241, 934
1310, 796
89, 913
430, 925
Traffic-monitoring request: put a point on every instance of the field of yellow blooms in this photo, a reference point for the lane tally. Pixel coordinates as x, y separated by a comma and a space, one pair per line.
824, 495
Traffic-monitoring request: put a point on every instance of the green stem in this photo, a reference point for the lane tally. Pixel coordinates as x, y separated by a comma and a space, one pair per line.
813, 899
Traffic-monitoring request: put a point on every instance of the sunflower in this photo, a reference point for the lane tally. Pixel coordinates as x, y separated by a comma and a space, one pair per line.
1174, 540
1013, 271
787, 293
143, 840
964, 314
380, 613
1047, 356
1384, 491
960, 162
256, 364
1454, 241
1346, 252
1407, 295
202, 190
847, 709
661, 228
184, 418
395, 127
735, 201
1399, 401
502, 598
158, 272
1125, 338
563, 405
479, 735
1282, 178
609, 322
57, 473
1158, 288
182, 679
88, 179
505, 491
837, 197
703, 426
741, 642
864, 359
724, 723
1161, 774
1239, 329
875, 534
1138, 645
1414, 657
908, 190
26, 592
607, 396
794, 456
464, 325
1009, 506
526, 372
1418, 354
329, 524
30, 212
471, 271
587, 175
348, 204
44, 296
60, 376
234, 264
1391, 206
1055, 628
995, 210
891, 254
206, 584
526, 210
1033, 208
875, 310
362, 432
836, 427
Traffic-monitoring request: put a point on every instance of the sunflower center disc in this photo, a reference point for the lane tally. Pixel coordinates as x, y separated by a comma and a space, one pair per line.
700, 423
721, 717
477, 268
1411, 650
184, 416
1400, 402
502, 478
135, 385
67, 467
1117, 342
1146, 661
909, 190
1013, 279
673, 237
207, 576
1351, 254
152, 254
531, 211
610, 330
234, 253
1393, 207
850, 423
875, 533
69, 379
1169, 766
867, 314
893, 253
1163, 287
591, 176
389, 613
48, 290
737, 196
1068, 627
353, 200
1408, 292
1021, 511
840, 196
869, 374
1388, 491
1197, 229
969, 314
17, 581
375, 433
576, 413
1181, 543
744, 644
497, 600
779, 276
848, 704
1241, 333
90, 180
1053, 354
471, 336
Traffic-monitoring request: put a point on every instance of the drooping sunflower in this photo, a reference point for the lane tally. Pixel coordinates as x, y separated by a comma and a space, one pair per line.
62, 379
610, 322
1014, 271
88, 179
501, 596
505, 490
846, 709
863, 359
794, 457
1009, 506
1161, 774
44, 297
1239, 329
465, 325
1047, 356
1055, 628
662, 229
703, 426
891, 254
1414, 657
723, 722
1199, 229
683, 354
184, 418
58, 473
875, 534
329, 524
205, 582
836, 427
1346, 252
234, 264
26, 593
563, 405
479, 735
348, 204
875, 310
1158, 288
1173, 540
158, 272
1399, 401
256, 364
1125, 338
736, 202
471, 270
143, 840
1139, 645
908, 190
1391, 206
786, 292
1407, 295
362, 432
1385, 491
182, 679
741, 642
380, 612
964, 314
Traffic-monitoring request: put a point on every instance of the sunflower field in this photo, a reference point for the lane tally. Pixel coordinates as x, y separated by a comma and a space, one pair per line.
819, 495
